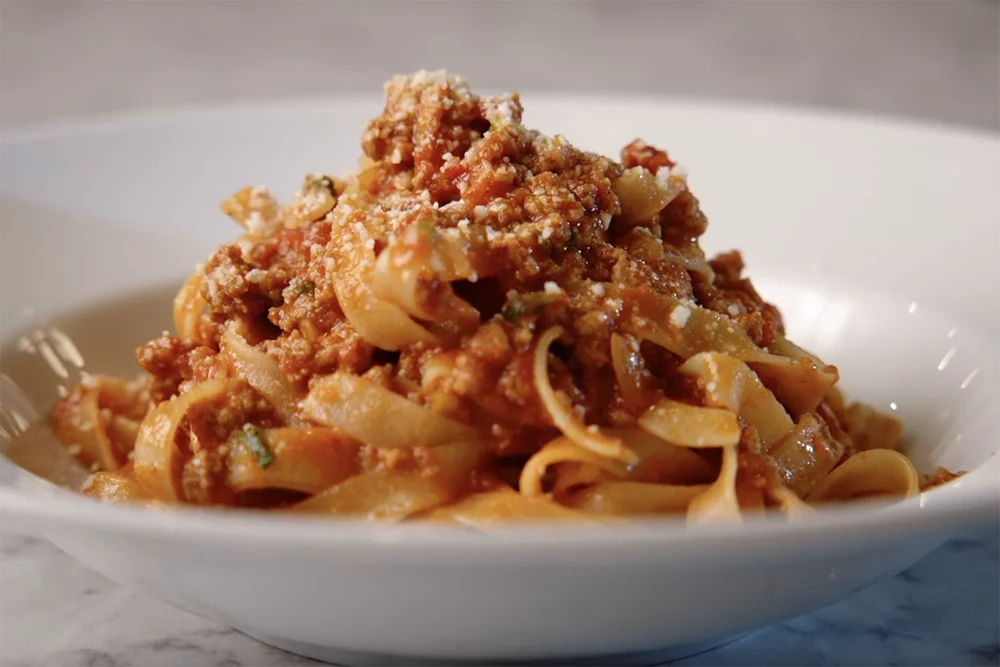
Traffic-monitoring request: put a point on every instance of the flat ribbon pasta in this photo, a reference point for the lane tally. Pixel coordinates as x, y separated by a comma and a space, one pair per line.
485, 510
188, 306
414, 272
630, 498
304, 459
691, 426
157, 458
687, 329
562, 450
261, 372
383, 324
872, 473
730, 384
719, 503
661, 462
587, 437
100, 417
362, 409
391, 495
627, 364
798, 379
806, 454
115, 488
380, 496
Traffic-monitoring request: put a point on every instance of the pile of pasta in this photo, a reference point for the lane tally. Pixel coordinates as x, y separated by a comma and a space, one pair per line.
482, 323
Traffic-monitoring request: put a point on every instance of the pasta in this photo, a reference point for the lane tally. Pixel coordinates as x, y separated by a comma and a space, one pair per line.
482, 324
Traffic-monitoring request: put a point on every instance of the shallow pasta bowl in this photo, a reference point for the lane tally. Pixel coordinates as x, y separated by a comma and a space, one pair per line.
877, 240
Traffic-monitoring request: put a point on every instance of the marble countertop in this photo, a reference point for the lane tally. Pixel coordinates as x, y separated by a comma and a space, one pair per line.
943, 611
932, 60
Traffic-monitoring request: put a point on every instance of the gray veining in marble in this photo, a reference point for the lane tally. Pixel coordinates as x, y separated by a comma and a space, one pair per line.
932, 60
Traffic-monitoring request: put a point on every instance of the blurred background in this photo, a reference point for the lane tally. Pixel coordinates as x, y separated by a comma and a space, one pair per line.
937, 60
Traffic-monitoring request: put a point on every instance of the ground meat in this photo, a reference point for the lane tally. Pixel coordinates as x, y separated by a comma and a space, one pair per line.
245, 283
339, 348
430, 120
939, 477
233, 287
171, 361
734, 296
640, 154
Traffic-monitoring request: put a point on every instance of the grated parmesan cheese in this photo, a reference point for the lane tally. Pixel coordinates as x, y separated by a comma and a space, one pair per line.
552, 288
597, 289
679, 316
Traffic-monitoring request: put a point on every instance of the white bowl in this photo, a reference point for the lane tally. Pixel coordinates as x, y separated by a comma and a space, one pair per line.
877, 239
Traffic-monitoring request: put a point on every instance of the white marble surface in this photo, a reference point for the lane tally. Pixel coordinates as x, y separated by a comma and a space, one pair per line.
934, 60
943, 611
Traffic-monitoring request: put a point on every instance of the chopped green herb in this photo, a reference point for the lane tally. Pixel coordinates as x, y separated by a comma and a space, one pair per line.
527, 304
574, 238
322, 182
428, 230
305, 287
512, 311
252, 438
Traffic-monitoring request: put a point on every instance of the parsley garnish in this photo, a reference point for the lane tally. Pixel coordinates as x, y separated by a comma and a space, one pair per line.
526, 304
304, 287
323, 182
512, 311
428, 230
253, 439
